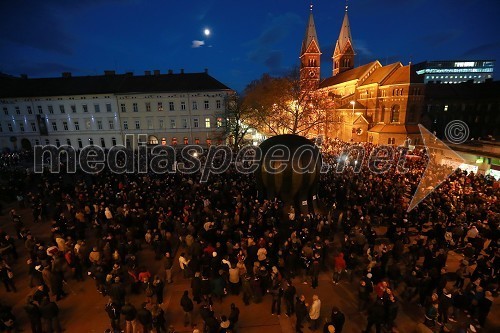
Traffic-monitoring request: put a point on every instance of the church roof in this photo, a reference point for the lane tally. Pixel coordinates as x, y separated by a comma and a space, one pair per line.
381, 73
349, 75
395, 128
310, 34
103, 84
404, 74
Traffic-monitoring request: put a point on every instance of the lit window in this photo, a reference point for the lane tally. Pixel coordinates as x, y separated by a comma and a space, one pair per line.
446, 108
207, 122
160, 106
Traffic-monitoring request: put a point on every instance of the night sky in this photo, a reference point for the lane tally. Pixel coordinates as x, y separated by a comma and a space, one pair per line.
248, 38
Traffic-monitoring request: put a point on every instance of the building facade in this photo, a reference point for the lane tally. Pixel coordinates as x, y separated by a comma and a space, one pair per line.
456, 71
375, 103
167, 109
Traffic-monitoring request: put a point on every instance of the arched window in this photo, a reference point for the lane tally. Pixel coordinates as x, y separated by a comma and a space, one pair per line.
395, 114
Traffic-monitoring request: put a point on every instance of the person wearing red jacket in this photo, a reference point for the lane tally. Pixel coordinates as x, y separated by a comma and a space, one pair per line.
339, 266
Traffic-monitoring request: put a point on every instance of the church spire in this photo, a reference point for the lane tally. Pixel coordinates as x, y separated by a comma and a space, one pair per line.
343, 56
310, 56
310, 32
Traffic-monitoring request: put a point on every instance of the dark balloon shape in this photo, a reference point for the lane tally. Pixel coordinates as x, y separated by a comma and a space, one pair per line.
293, 176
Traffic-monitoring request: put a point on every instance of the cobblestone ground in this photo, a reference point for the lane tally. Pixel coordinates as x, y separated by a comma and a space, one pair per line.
83, 309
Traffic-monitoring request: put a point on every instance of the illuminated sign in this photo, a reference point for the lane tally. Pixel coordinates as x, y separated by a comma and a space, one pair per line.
465, 64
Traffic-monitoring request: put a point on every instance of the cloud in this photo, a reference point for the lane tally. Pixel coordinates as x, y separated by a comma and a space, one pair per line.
438, 38
41, 69
197, 43
482, 49
264, 48
39, 24
360, 47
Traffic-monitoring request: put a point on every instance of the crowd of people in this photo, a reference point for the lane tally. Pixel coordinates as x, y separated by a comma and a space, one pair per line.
233, 242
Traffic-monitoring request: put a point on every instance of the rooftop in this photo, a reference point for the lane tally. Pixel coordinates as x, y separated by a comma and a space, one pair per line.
108, 84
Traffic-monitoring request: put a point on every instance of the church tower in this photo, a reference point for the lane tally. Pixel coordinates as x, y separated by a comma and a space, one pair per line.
343, 55
310, 56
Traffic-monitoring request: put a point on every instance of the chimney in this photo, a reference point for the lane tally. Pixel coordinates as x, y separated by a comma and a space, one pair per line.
170, 71
206, 70
66, 74
109, 73
24, 76
182, 70
156, 72
147, 73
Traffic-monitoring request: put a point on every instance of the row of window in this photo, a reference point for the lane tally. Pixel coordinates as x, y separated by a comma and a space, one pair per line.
152, 140
111, 124
123, 108
62, 109
171, 106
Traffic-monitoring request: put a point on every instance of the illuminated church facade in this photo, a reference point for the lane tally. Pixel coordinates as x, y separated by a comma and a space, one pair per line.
370, 103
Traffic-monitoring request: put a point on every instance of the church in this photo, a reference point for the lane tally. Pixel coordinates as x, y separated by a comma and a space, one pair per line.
374, 103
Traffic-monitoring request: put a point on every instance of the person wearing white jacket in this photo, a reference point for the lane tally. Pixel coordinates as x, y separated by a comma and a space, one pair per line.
314, 313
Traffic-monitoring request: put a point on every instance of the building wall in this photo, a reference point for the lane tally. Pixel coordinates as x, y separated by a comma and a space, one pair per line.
99, 119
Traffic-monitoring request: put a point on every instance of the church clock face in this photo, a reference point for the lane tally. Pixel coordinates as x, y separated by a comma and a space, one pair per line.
312, 74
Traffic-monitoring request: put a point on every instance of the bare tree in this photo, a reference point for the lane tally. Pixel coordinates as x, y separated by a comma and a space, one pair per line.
285, 105
240, 119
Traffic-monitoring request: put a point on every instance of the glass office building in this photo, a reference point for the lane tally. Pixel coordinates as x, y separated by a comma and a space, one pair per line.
456, 71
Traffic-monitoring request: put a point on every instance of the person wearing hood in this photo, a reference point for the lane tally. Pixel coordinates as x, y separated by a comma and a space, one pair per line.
315, 312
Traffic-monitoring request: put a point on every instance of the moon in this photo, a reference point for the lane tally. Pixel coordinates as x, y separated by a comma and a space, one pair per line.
206, 32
